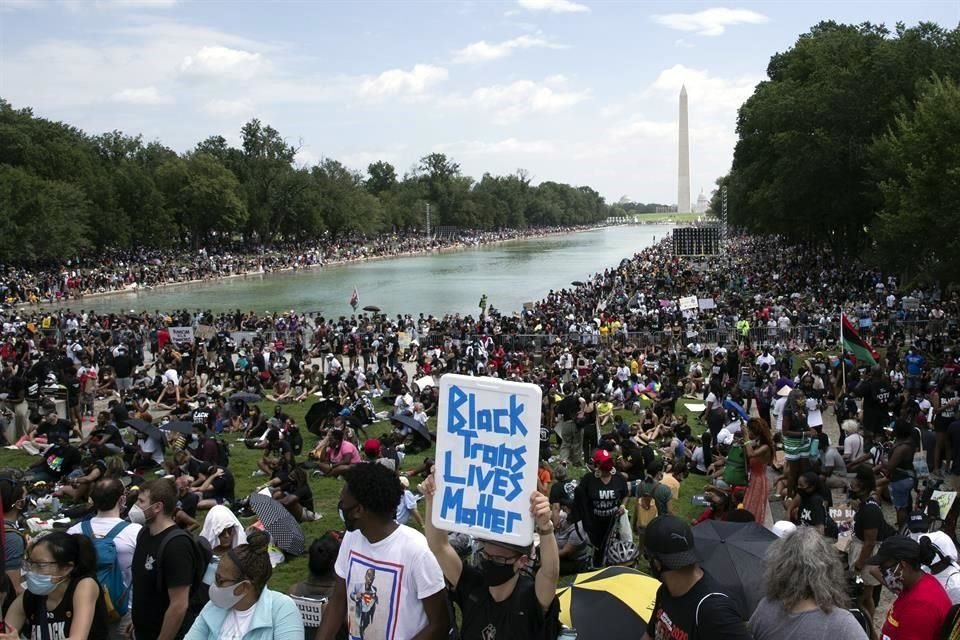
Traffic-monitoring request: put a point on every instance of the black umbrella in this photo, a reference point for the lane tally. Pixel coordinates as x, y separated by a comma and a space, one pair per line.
282, 527
372, 308
179, 426
413, 423
321, 410
244, 396
733, 554
577, 283
143, 427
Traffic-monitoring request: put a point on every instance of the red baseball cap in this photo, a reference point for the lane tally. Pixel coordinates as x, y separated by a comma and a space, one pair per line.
603, 459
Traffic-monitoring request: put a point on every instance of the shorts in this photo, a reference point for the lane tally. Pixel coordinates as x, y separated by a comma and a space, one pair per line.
900, 492
913, 383
795, 449
124, 384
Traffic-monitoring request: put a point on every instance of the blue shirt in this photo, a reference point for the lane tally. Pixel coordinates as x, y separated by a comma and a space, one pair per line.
914, 364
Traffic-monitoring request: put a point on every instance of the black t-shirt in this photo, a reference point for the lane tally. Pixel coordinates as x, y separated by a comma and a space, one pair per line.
605, 499
110, 434
519, 617
149, 604
59, 461
123, 366
876, 398
870, 516
812, 513
222, 488
569, 407
202, 415
188, 504
59, 429
59, 620
717, 619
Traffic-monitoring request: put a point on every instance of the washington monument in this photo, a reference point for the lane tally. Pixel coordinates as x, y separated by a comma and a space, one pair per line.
683, 170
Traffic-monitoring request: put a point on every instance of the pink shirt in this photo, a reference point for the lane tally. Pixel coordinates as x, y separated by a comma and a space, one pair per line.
348, 454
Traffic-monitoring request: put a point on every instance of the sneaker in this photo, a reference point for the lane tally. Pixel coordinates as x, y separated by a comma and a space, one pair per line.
256, 473
317, 474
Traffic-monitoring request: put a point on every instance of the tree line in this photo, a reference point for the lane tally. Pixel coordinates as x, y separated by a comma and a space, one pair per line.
853, 141
64, 192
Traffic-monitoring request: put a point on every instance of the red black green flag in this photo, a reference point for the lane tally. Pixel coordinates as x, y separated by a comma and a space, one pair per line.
862, 352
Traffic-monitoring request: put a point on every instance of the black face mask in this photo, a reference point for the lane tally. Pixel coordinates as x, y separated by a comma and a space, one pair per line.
495, 574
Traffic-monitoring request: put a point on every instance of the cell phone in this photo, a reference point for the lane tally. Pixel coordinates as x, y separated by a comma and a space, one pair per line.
700, 500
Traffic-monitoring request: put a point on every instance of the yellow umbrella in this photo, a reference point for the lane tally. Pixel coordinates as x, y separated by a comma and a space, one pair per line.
608, 603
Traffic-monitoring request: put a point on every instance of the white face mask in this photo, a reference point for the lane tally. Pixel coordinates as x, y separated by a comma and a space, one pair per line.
224, 597
136, 515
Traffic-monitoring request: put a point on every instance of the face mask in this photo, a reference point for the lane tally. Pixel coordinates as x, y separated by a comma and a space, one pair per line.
495, 574
893, 579
224, 597
136, 515
39, 584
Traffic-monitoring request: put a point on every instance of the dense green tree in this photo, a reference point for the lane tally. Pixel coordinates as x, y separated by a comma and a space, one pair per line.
918, 165
381, 177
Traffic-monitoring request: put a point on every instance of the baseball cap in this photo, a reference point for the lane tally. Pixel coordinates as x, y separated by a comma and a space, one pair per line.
602, 458
371, 447
896, 548
918, 522
670, 540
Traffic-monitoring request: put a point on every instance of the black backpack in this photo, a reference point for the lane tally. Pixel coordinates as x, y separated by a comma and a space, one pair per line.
202, 555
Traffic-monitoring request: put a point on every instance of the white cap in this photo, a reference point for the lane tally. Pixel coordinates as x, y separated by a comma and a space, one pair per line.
783, 528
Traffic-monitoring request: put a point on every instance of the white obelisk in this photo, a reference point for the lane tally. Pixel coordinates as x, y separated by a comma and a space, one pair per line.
683, 173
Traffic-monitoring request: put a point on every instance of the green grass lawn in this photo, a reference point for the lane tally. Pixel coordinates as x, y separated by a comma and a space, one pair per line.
326, 491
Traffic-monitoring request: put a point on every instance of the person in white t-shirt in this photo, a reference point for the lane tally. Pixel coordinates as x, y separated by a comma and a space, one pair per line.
778, 406
389, 586
106, 496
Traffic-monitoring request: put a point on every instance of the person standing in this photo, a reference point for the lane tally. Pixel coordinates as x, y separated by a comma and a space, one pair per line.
106, 496
600, 499
759, 447
389, 585
689, 603
161, 603
922, 605
805, 595
498, 599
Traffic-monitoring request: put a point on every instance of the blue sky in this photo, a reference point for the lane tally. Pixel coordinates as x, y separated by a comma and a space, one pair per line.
574, 91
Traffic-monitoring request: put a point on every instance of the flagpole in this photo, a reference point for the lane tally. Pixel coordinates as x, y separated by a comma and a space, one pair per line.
843, 360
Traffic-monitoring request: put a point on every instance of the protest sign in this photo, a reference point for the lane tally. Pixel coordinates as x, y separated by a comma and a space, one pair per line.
945, 500
688, 303
181, 335
488, 442
707, 303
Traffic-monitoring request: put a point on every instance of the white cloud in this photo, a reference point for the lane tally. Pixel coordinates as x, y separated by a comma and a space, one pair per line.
306, 158
140, 4
554, 6
510, 102
397, 82
223, 62
484, 51
360, 160
507, 146
229, 108
706, 92
144, 95
710, 22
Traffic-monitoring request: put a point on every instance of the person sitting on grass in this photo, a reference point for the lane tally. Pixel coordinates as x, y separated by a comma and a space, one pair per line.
336, 454
215, 485
290, 487
322, 556
274, 447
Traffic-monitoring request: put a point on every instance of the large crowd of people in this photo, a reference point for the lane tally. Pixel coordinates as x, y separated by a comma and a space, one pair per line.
123, 270
130, 423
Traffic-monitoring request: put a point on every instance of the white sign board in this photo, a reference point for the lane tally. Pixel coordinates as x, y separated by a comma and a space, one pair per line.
688, 303
945, 499
488, 443
707, 303
181, 335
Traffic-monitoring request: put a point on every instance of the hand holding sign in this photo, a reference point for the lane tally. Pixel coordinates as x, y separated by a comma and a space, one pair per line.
488, 434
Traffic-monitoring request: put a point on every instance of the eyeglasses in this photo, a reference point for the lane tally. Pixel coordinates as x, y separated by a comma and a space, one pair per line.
503, 561
40, 567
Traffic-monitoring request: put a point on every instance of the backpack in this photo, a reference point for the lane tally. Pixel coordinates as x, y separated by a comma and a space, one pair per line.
202, 555
116, 596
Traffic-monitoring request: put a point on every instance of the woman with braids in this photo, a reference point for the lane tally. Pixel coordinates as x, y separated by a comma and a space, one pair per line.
760, 448
805, 592
241, 606
62, 594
